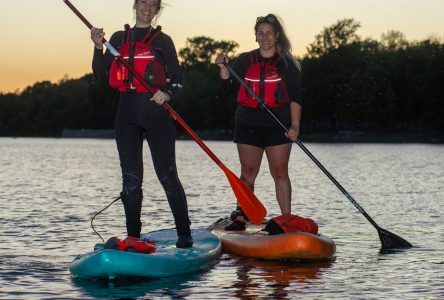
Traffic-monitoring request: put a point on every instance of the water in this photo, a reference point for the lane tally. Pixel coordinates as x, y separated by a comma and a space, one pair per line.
50, 189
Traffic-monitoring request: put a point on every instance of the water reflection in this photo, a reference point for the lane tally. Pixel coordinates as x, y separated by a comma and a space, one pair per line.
50, 188
279, 279
174, 286
385, 252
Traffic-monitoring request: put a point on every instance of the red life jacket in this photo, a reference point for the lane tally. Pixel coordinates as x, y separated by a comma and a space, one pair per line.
263, 78
140, 56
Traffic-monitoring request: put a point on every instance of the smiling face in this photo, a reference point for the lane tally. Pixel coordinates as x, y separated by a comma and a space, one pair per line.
146, 10
266, 38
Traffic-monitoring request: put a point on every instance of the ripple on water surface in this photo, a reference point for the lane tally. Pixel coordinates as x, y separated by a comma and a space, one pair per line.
50, 189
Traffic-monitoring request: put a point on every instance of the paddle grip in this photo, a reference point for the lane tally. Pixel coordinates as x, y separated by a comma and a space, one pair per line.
257, 210
298, 141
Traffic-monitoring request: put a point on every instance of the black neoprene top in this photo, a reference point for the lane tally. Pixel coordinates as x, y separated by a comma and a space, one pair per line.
163, 45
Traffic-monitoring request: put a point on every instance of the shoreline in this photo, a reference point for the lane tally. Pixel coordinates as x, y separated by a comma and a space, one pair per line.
421, 137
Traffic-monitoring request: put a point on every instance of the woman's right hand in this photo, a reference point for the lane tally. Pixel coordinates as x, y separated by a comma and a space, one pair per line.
220, 60
97, 35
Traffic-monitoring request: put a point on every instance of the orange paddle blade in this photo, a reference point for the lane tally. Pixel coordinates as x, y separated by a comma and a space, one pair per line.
252, 207
247, 200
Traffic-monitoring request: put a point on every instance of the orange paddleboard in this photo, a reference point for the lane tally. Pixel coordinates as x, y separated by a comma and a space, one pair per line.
299, 246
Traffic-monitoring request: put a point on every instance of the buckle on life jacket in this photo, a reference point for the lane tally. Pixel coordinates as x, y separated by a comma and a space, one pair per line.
131, 90
131, 244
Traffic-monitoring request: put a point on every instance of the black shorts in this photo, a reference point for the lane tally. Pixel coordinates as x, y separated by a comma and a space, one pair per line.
259, 136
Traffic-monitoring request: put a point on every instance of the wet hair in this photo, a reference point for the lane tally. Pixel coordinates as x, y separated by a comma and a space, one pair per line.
283, 43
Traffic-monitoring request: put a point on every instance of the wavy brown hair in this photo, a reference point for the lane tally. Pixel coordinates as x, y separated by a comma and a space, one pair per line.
283, 44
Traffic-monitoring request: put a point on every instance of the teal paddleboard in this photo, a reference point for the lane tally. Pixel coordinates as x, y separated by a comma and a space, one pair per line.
166, 261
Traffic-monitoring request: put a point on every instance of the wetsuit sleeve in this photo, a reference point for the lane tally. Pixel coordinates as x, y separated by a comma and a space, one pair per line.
293, 81
172, 65
101, 63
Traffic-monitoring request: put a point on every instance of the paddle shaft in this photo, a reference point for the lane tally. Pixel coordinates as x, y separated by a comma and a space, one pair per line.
170, 110
253, 208
312, 157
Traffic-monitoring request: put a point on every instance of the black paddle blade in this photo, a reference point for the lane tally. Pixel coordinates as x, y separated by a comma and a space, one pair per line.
390, 240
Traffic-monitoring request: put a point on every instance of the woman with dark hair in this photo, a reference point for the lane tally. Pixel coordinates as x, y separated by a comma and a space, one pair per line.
140, 114
274, 75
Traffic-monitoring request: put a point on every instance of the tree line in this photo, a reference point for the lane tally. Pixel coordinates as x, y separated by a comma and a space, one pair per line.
350, 84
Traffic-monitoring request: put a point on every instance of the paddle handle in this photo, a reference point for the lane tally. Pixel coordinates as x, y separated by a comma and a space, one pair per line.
79, 14
245, 197
388, 240
170, 110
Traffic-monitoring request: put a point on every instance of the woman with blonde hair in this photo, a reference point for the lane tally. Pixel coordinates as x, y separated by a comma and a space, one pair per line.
140, 114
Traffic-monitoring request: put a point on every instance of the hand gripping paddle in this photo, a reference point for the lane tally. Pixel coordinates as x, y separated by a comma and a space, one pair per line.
388, 240
250, 204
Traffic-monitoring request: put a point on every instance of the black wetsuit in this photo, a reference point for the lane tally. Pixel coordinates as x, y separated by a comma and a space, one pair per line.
138, 116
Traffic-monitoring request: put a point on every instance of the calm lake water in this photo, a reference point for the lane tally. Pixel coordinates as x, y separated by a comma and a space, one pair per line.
50, 189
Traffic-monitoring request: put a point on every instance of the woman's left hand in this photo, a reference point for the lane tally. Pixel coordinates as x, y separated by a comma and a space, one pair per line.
161, 97
293, 133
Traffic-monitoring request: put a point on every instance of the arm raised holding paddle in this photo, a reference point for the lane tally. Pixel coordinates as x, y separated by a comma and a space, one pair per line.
388, 239
245, 197
136, 117
272, 72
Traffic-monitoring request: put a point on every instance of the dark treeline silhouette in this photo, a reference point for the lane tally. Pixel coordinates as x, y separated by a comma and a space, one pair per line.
350, 84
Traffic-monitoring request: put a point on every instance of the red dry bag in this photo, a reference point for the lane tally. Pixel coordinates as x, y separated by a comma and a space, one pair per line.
287, 223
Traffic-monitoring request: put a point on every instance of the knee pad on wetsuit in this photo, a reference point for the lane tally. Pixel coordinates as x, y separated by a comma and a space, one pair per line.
131, 183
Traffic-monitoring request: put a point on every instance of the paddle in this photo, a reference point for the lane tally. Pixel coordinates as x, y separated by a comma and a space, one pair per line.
388, 240
250, 204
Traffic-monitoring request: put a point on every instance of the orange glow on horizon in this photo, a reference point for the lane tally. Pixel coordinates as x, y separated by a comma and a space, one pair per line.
46, 41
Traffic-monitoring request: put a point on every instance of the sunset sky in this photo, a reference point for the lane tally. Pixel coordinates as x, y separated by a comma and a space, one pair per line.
44, 40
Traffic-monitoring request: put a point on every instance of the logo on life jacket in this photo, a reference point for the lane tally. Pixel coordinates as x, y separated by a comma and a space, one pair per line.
264, 80
143, 60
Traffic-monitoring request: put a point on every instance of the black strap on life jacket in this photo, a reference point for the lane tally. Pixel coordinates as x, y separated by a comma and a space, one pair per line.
254, 58
149, 38
128, 36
